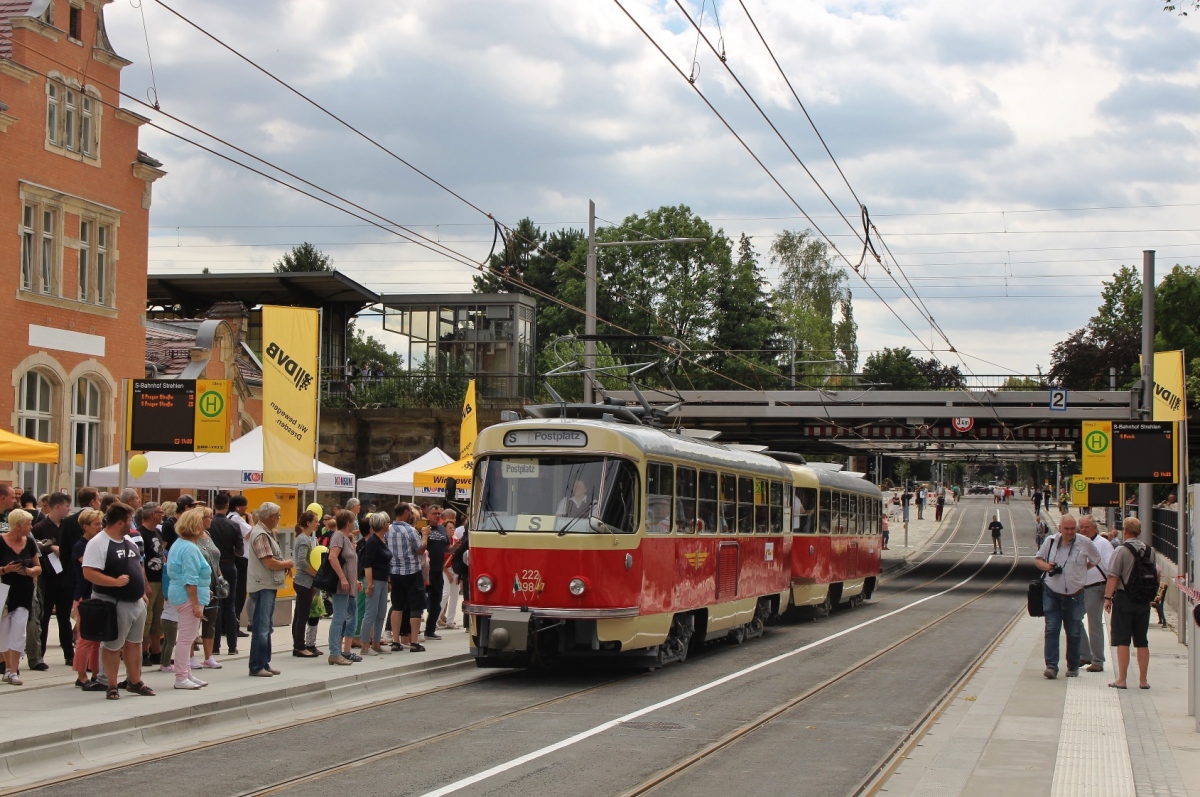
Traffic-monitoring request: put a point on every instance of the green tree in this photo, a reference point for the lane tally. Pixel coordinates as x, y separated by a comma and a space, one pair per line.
364, 349
653, 289
940, 376
744, 328
894, 369
304, 257
1112, 338
814, 306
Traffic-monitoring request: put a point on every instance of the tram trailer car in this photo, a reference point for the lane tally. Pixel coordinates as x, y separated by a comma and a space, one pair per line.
837, 538
597, 538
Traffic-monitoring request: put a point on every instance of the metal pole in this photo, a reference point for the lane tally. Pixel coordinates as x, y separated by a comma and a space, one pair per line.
1182, 554
1146, 491
123, 462
317, 431
589, 319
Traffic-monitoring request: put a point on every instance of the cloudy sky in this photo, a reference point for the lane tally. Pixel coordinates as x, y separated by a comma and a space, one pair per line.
1012, 154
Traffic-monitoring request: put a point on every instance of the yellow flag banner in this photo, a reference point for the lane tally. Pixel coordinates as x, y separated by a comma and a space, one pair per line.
470, 425
291, 337
1168, 386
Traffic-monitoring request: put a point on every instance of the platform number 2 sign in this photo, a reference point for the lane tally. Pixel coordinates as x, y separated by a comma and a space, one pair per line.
1058, 400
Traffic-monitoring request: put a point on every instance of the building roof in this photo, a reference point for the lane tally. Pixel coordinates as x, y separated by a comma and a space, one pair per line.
455, 299
169, 344
197, 292
8, 10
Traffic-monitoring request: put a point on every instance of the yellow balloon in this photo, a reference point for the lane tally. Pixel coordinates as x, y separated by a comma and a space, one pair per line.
316, 509
138, 465
314, 556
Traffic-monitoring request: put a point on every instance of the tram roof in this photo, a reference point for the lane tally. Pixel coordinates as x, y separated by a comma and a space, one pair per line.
655, 442
826, 477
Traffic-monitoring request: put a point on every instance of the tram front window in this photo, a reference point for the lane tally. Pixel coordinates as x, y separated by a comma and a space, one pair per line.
557, 494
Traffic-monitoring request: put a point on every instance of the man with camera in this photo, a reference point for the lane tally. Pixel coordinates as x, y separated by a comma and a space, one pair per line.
1065, 558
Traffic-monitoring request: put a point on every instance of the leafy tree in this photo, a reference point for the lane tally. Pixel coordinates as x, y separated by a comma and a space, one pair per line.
304, 257
1177, 311
814, 305
653, 289
940, 376
1182, 7
1112, 338
744, 323
364, 349
1022, 383
895, 369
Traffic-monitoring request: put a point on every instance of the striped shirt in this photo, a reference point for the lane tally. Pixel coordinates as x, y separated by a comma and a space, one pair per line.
404, 542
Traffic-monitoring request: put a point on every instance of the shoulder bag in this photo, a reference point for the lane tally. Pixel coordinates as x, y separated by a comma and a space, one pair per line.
326, 578
98, 620
1034, 596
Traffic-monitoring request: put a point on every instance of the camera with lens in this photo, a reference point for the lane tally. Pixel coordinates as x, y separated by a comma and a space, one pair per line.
1055, 570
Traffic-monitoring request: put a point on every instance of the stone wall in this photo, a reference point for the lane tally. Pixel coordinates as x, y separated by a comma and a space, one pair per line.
366, 442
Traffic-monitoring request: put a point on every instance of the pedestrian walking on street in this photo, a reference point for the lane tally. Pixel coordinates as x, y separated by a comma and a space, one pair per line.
344, 560
302, 583
887, 535
1092, 644
1158, 603
1041, 530
1065, 558
377, 564
941, 503
921, 504
1037, 501
189, 591
997, 528
112, 564
20, 568
1126, 598
267, 573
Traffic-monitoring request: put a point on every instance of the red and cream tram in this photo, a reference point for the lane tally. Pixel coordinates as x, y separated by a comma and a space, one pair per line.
592, 537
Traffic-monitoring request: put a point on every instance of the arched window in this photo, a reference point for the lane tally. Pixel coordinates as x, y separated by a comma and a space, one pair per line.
35, 420
85, 431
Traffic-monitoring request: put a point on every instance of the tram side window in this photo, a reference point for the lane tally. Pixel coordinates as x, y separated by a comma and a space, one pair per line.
746, 502
685, 503
826, 511
804, 510
839, 513
728, 503
706, 506
874, 514
776, 508
851, 514
878, 527
620, 496
660, 497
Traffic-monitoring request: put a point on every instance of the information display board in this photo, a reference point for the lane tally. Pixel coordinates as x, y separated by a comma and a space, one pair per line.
1085, 493
1130, 452
177, 415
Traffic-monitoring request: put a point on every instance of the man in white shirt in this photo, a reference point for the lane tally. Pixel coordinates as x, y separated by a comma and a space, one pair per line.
237, 516
1065, 557
1092, 643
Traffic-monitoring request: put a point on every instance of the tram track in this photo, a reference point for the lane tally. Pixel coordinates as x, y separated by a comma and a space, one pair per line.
668, 774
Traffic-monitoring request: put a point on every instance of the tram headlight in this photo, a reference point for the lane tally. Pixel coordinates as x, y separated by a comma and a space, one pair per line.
577, 586
484, 583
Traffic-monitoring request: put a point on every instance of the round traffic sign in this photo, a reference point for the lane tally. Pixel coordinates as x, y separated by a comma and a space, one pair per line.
963, 425
211, 404
1096, 442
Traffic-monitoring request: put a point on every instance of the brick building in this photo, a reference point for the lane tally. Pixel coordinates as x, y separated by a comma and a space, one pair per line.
74, 216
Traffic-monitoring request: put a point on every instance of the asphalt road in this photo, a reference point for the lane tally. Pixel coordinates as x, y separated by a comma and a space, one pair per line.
601, 733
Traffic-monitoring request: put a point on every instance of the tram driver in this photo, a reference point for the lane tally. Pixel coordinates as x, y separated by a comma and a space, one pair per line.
576, 504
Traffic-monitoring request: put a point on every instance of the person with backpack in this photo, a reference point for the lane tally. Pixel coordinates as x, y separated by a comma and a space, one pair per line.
1065, 558
1132, 585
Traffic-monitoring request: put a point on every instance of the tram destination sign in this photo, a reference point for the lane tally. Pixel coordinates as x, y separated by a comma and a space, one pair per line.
548, 438
1132, 452
177, 415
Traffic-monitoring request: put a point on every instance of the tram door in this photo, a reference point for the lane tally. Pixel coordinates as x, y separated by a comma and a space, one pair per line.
852, 560
728, 564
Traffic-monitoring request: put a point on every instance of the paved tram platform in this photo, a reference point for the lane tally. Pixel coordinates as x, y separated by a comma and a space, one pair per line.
1009, 730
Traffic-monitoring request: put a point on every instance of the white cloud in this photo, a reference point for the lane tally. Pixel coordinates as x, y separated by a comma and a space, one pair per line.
530, 107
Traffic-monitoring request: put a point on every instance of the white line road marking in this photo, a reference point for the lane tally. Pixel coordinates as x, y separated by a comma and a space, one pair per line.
471, 780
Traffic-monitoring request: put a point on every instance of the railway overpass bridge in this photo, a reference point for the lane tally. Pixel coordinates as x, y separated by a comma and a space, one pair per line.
961, 424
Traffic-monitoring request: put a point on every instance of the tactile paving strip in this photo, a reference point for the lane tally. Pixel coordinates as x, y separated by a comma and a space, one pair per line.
1093, 755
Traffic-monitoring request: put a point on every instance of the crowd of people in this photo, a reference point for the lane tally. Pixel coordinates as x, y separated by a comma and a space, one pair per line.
177, 577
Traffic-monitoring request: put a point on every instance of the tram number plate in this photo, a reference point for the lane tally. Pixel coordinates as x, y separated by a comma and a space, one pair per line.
535, 522
528, 583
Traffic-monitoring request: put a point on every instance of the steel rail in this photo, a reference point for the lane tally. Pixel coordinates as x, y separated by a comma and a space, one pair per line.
669, 773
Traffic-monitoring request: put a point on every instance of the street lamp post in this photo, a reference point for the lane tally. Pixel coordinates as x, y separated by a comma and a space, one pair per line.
589, 321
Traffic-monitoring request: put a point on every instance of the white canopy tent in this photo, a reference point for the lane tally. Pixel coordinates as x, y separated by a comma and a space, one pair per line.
110, 476
399, 481
242, 468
